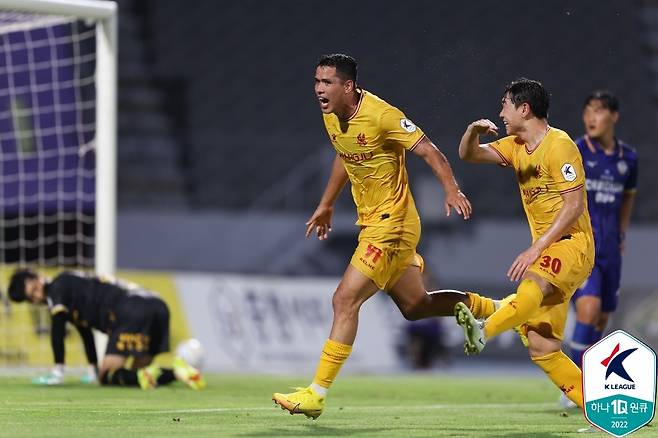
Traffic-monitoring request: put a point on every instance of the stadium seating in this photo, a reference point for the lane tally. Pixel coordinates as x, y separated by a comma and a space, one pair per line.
248, 104
151, 172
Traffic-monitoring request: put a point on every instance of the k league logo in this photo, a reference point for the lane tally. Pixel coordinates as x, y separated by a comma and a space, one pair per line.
619, 384
615, 364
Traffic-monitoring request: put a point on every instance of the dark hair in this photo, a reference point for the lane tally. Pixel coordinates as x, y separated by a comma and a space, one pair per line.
607, 99
16, 290
346, 67
524, 90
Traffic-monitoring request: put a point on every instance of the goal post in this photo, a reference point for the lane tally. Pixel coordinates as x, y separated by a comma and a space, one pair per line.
58, 157
104, 14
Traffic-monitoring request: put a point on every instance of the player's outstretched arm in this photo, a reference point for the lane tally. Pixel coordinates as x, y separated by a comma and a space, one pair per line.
57, 333
573, 207
90, 351
442, 170
470, 148
320, 221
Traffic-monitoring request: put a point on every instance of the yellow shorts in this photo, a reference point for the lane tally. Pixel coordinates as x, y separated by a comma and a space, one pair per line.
384, 253
565, 265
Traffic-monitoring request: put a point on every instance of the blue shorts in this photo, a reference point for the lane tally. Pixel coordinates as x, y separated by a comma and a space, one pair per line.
603, 283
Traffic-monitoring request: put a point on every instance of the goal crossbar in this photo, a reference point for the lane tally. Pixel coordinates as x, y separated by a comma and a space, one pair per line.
93, 9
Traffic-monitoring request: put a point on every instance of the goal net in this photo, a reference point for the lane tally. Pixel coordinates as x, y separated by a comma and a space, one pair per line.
49, 178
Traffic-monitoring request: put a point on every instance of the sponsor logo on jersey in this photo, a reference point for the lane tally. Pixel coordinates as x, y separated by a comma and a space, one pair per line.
531, 193
407, 125
356, 157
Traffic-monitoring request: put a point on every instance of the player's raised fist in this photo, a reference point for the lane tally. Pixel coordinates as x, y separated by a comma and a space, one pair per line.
484, 126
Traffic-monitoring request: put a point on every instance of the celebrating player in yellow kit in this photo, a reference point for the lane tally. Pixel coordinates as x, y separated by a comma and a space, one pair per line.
549, 170
370, 138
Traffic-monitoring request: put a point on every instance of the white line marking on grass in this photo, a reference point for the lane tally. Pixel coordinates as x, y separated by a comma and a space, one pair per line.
380, 408
368, 408
205, 410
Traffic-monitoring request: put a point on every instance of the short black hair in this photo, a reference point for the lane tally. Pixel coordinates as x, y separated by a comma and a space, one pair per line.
346, 66
524, 90
16, 290
607, 98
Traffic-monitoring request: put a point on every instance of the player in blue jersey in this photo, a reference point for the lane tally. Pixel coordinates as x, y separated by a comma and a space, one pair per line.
611, 180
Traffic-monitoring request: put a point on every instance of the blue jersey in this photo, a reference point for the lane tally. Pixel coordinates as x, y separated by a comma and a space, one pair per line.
607, 178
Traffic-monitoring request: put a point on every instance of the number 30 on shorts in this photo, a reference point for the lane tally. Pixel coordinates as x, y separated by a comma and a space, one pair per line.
554, 263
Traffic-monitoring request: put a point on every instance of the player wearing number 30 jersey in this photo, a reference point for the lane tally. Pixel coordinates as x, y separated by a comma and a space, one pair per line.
549, 170
544, 175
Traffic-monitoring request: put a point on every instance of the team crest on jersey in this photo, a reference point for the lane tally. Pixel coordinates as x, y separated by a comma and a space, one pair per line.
622, 167
361, 139
407, 125
568, 172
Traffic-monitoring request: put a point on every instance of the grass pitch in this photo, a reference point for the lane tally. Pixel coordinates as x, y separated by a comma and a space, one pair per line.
240, 406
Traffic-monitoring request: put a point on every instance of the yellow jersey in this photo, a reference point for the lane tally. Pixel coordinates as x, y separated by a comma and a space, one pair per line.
553, 168
372, 145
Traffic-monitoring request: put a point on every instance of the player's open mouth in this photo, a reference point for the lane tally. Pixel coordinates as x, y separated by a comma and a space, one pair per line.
324, 102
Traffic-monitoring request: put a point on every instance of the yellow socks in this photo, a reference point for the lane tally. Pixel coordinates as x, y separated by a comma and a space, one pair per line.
528, 299
481, 307
332, 358
564, 373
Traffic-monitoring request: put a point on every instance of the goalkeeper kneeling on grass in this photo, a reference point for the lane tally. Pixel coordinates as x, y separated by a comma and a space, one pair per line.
136, 320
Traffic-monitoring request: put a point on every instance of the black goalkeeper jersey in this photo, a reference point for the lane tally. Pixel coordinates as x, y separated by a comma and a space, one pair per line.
89, 301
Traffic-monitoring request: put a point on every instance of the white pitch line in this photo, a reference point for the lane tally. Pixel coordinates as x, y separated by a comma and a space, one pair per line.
367, 408
33, 408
